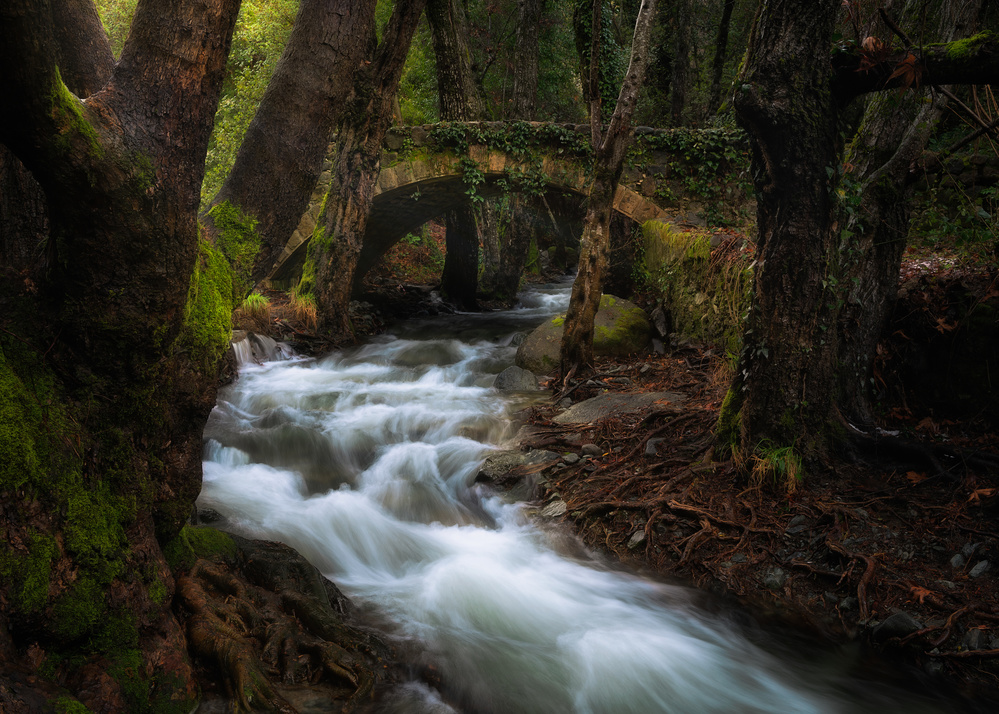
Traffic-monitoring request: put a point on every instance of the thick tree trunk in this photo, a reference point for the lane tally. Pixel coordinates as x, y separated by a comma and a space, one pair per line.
525, 68
461, 264
329, 269
788, 365
577, 340
281, 156
106, 403
85, 60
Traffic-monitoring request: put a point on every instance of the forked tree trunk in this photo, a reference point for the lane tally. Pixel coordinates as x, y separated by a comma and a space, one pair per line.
281, 155
332, 259
107, 401
577, 340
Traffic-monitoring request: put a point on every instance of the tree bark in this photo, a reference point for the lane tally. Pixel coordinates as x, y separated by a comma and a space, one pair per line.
577, 340
721, 53
884, 156
332, 261
788, 364
525, 68
459, 100
281, 156
107, 402
680, 81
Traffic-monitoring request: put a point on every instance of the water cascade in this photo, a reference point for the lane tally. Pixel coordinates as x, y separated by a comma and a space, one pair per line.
365, 461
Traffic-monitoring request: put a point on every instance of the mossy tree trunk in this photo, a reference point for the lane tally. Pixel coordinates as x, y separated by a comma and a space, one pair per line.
577, 339
106, 381
788, 391
281, 155
329, 270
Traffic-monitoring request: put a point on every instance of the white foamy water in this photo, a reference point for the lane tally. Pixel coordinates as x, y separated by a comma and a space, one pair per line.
365, 461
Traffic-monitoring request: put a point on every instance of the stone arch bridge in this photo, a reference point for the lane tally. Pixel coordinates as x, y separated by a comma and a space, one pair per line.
426, 170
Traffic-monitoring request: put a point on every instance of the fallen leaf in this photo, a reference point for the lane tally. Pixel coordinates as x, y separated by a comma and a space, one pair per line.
943, 326
915, 477
921, 593
979, 493
928, 424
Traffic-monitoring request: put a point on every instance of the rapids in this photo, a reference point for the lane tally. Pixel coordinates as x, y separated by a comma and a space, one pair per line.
365, 461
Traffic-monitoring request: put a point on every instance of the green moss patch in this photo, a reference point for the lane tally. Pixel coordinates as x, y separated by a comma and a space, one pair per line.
239, 241
208, 315
195, 542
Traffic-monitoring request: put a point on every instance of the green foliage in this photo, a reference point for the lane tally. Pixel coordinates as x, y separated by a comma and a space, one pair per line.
780, 465
207, 325
613, 62
262, 30
418, 86
116, 15
708, 161
949, 216
68, 705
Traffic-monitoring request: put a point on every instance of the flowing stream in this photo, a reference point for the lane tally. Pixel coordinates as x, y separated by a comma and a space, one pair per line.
365, 460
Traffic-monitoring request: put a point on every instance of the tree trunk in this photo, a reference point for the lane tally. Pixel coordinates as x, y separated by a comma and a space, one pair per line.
281, 156
788, 363
680, 81
332, 261
721, 53
525, 68
103, 385
884, 156
459, 100
577, 340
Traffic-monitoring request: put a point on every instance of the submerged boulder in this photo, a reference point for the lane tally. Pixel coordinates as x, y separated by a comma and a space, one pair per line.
621, 328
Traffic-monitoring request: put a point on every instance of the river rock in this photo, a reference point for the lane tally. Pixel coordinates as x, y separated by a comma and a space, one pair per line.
500, 463
614, 403
898, 625
516, 379
620, 328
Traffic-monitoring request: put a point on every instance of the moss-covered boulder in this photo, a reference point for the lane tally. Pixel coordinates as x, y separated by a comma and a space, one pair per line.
621, 328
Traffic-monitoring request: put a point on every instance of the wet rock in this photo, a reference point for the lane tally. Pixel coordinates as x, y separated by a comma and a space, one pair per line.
973, 640
848, 603
500, 463
651, 445
898, 625
554, 509
565, 403
774, 578
957, 562
591, 450
571, 458
516, 379
637, 538
797, 524
620, 328
605, 405
739, 558
980, 569
969, 549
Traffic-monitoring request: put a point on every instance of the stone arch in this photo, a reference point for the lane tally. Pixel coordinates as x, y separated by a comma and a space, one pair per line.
411, 192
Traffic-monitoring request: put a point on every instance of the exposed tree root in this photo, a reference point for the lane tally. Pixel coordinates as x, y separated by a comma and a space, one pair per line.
256, 637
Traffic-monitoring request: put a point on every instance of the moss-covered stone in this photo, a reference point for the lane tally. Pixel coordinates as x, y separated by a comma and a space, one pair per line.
620, 328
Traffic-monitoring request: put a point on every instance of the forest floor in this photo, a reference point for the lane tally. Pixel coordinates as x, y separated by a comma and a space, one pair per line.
899, 553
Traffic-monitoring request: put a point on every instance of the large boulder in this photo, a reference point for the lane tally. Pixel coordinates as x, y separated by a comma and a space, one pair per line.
621, 328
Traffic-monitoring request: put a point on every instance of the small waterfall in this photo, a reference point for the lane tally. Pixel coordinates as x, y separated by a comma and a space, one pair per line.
365, 462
